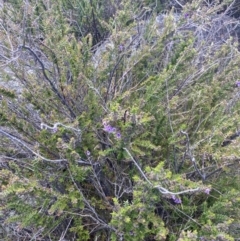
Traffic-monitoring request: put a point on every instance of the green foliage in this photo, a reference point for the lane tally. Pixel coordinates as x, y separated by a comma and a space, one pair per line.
137, 220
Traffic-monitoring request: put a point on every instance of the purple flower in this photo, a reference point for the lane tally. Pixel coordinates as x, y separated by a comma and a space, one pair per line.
176, 200
108, 128
186, 15
54, 129
237, 83
207, 191
118, 135
88, 153
120, 47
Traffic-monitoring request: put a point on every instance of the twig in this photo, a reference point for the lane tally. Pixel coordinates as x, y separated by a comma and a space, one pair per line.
64, 233
55, 90
16, 140
138, 167
161, 189
54, 128
94, 216
189, 152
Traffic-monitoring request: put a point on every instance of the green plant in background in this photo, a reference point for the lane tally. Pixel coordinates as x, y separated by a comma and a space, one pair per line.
122, 127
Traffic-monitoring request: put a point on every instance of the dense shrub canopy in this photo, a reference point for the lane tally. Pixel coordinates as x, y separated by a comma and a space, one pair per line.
119, 120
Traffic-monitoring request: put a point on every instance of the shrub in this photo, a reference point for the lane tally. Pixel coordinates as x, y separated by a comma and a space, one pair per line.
122, 128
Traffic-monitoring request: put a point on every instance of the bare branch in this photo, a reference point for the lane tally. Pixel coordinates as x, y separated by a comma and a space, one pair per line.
161, 189
192, 158
18, 141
